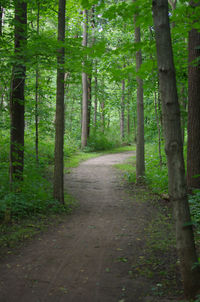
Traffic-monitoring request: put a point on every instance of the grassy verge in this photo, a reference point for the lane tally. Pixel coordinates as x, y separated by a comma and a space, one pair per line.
75, 159
159, 261
33, 209
17, 231
160, 258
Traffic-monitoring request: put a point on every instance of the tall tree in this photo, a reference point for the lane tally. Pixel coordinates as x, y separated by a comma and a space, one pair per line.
158, 128
84, 135
122, 130
1, 19
193, 150
140, 165
37, 89
17, 102
95, 97
174, 151
60, 108
89, 86
128, 110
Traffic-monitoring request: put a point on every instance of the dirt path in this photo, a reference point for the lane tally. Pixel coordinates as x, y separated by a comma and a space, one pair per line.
89, 257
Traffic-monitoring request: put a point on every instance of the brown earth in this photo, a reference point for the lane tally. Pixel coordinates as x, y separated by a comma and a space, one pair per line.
89, 257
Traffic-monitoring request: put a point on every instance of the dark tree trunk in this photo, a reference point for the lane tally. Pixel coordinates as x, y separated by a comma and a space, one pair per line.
128, 119
95, 98
193, 151
17, 102
89, 104
84, 135
129, 110
122, 130
37, 93
1, 20
158, 128
174, 151
60, 108
140, 164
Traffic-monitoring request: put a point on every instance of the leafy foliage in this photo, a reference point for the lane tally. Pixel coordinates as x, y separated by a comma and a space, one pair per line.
194, 202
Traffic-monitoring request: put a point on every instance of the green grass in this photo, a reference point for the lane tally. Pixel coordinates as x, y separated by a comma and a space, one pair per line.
155, 176
16, 231
75, 159
32, 209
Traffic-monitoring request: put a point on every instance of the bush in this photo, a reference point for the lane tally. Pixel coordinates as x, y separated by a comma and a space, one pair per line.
100, 142
33, 195
156, 175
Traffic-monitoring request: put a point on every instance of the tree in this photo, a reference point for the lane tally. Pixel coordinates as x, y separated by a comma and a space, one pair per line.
174, 151
193, 150
84, 135
17, 101
1, 19
122, 129
59, 137
37, 90
140, 166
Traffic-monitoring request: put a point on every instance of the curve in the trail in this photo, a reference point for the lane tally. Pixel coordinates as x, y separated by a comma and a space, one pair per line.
89, 257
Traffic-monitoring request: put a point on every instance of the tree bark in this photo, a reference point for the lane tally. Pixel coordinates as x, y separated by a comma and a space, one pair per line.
174, 151
193, 151
158, 128
102, 116
17, 102
60, 108
84, 134
37, 93
140, 165
122, 130
95, 97
1, 20
128, 119
89, 85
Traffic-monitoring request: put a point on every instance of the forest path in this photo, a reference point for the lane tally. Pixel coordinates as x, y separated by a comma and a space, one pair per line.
89, 257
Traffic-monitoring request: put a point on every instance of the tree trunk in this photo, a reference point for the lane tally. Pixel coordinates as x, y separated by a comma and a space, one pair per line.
1, 20
158, 128
60, 108
84, 135
128, 119
174, 151
122, 131
129, 110
140, 166
36, 93
95, 98
102, 117
173, 4
17, 102
193, 151
89, 103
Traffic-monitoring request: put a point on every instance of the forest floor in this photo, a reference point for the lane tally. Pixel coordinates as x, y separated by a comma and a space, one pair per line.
113, 248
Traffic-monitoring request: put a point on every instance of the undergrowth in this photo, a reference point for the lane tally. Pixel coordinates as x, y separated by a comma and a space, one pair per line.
156, 178
29, 206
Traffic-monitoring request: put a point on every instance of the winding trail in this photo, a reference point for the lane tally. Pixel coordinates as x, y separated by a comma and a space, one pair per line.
89, 257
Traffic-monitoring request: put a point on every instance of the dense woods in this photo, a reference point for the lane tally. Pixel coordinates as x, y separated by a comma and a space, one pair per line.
91, 75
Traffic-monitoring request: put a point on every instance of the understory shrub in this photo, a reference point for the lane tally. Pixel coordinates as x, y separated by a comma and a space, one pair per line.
99, 141
194, 202
156, 174
33, 195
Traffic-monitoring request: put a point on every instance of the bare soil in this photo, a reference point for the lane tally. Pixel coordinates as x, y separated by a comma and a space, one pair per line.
90, 256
